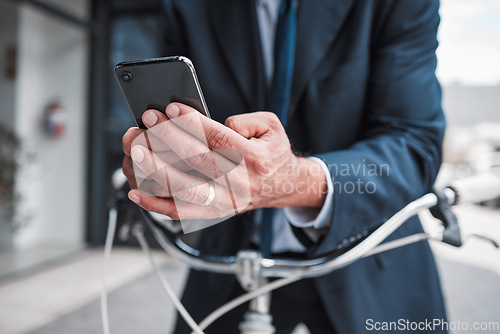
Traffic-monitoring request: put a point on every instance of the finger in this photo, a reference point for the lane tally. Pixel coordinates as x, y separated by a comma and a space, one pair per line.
174, 209
236, 180
153, 188
188, 146
136, 136
128, 170
181, 185
214, 133
133, 173
254, 125
221, 139
173, 159
139, 180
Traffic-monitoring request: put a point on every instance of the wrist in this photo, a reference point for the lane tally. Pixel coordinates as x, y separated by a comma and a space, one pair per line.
306, 187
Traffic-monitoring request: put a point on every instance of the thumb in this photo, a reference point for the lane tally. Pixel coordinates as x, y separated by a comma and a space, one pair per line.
254, 125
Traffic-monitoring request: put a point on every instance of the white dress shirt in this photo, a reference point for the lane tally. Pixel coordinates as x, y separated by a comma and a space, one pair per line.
309, 218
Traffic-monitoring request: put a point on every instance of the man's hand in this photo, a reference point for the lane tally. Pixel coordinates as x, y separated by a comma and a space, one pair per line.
180, 162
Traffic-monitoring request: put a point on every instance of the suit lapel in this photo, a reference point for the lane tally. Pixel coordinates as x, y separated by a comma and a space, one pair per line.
237, 33
319, 22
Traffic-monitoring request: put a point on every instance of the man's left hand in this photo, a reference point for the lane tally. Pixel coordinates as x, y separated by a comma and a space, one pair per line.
186, 160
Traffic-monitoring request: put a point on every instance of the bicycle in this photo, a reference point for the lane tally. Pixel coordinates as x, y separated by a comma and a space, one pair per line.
252, 270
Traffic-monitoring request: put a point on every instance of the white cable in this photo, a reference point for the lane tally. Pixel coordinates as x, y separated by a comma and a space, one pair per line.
145, 247
107, 255
288, 280
166, 286
399, 243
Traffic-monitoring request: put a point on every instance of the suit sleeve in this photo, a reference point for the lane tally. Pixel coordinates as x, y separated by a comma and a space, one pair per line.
399, 154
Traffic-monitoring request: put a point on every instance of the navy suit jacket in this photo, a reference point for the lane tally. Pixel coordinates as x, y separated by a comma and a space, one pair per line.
364, 94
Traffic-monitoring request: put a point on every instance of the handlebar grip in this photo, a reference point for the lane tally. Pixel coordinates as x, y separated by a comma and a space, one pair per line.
478, 188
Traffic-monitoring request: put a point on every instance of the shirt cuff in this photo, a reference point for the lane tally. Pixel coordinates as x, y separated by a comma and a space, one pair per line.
317, 218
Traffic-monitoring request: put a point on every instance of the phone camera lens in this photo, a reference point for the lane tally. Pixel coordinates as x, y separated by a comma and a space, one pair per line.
127, 76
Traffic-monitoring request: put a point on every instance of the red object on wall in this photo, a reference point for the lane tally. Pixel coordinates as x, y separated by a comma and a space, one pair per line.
54, 122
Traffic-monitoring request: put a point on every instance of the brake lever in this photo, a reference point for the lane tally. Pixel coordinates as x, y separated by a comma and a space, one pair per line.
442, 211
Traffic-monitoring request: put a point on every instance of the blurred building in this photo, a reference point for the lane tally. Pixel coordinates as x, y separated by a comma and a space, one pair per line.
58, 95
466, 105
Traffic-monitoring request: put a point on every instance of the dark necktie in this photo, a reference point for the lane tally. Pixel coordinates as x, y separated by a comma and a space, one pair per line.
279, 97
284, 56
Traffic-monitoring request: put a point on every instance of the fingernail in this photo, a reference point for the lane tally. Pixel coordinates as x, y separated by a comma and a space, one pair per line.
150, 118
134, 198
137, 154
172, 111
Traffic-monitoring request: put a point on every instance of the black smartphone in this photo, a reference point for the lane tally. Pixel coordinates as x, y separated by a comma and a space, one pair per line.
154, 83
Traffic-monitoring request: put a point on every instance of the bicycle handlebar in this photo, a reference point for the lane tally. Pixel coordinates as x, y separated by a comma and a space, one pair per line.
473, 189
271, 267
